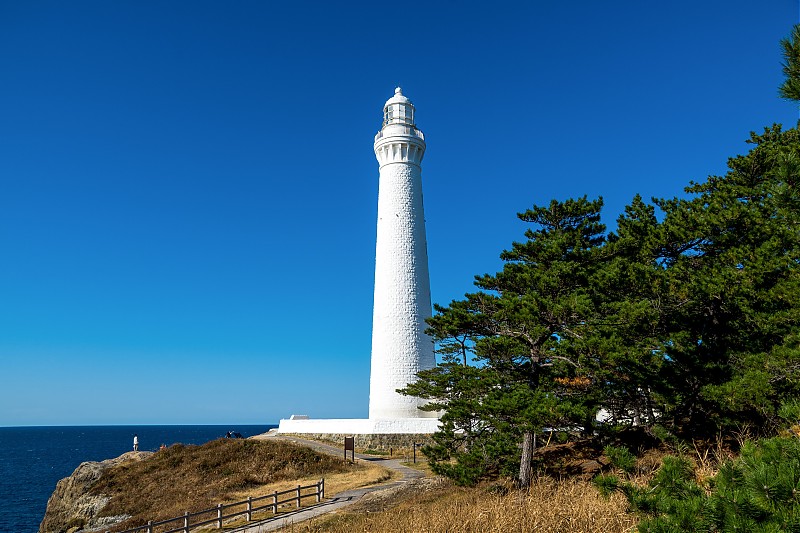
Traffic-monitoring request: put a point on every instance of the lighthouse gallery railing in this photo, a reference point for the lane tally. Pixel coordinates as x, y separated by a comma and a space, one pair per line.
407, 130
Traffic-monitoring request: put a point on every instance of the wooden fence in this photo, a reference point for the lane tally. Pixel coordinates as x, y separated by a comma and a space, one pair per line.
225, 511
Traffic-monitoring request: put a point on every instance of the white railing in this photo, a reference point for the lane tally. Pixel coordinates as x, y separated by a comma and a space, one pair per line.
407, 130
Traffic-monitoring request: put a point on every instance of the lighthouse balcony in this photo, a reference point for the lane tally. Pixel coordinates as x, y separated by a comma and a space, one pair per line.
393, 130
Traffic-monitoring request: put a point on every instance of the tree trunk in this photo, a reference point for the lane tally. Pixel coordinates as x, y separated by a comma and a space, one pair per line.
588, 424
528, 447
651, 415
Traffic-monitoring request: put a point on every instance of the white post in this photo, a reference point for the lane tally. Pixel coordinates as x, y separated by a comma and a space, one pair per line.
275, 502
249, 508
219, 516
298, 496
186, 522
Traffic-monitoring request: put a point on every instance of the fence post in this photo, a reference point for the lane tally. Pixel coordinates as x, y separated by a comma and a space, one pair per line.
275, 502
219, 516
149, 526
323, 488
319, 488
249, 508
298, 496
186, 522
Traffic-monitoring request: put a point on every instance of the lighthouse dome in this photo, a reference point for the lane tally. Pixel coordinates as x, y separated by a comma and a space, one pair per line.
398, 109
398, 98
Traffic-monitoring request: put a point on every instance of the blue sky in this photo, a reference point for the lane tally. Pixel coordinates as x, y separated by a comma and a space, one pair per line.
188, 191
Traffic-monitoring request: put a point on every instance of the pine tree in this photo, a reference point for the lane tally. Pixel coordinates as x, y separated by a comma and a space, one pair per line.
527, 329
731, 255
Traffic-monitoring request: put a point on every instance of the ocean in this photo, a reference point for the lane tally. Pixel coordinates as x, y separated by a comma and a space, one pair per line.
33, 459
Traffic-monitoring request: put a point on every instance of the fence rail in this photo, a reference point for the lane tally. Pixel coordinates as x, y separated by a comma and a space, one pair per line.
217, 514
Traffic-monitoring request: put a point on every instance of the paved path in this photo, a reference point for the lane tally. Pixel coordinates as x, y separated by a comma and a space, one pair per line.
338, 501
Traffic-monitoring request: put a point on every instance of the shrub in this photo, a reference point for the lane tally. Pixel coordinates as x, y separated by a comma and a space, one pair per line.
758, 492
620, 458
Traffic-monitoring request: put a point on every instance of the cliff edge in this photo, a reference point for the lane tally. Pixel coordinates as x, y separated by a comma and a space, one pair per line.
72, 508
128, 491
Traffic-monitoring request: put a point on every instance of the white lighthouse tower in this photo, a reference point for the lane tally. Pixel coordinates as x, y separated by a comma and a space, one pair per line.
402, 302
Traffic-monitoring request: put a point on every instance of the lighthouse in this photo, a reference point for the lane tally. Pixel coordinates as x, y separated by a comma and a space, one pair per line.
402, 301
400, 347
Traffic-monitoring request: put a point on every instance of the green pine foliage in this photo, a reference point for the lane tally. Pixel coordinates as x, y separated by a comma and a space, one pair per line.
791, 66
759, 492
621, 458
731, 256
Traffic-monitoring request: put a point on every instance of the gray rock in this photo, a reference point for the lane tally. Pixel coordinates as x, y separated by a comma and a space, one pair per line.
71, 508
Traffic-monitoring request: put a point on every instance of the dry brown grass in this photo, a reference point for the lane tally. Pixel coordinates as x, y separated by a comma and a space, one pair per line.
191, 478
566, 506
370, 475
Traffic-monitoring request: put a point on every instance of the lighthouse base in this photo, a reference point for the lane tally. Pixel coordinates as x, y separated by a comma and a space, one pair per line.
374, 434
361, 426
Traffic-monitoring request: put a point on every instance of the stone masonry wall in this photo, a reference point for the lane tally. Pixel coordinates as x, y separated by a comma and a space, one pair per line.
383, 442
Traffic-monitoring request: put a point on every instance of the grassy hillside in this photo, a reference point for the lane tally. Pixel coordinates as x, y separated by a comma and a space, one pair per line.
190, 478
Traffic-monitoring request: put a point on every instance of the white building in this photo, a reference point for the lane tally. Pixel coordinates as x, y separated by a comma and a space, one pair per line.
402, 301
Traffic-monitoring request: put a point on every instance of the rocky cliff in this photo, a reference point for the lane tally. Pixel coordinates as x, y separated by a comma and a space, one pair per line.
72, 508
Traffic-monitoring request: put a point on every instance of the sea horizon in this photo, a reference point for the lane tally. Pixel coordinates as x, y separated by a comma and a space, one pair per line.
35, 458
